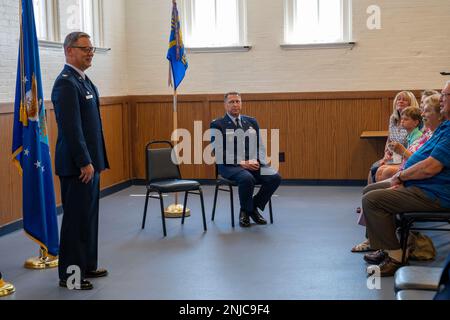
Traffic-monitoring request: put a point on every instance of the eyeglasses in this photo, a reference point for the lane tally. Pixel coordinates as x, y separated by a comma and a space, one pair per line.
445, 94
86, 49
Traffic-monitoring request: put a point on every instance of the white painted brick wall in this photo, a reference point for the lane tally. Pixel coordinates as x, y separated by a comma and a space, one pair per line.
109, 70
408, 52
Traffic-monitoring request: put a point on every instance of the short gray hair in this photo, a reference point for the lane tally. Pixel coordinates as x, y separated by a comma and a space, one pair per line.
231, 93
73, 37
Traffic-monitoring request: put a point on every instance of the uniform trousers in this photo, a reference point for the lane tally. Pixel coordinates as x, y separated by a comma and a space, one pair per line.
246, 181
79, 230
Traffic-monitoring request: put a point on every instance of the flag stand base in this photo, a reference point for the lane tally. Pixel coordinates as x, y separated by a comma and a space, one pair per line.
6, 288
176, 211
44, 261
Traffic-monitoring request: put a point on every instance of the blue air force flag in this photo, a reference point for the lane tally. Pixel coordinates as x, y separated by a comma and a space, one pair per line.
176, 54
30, 148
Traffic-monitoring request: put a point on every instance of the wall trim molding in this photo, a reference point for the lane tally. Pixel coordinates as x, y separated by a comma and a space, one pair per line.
8, 107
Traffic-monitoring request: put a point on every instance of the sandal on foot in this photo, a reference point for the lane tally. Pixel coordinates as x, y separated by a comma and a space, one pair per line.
362, 247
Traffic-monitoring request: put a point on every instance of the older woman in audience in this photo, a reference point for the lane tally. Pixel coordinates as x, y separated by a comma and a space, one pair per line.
432, 119
425, 94
411, 121
402, 100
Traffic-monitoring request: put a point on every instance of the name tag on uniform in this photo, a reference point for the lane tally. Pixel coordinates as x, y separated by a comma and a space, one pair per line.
89, 97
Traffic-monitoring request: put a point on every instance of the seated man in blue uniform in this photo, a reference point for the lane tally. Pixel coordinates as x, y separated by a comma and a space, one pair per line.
240, 156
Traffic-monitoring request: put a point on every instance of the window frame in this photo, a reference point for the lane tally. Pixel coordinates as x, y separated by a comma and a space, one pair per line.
185, 8
347, 32
52, 25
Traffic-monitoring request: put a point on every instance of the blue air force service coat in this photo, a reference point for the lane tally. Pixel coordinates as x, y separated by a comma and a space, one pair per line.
80, 134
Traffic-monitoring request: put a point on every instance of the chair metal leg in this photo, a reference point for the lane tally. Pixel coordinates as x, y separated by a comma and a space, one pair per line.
163, 218
215, 202
145, 209
270, 211
203, 208
404, 235
184, 206
232, 206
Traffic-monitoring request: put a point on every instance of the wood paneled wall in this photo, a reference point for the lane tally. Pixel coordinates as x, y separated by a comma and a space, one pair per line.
115, 115
319, 134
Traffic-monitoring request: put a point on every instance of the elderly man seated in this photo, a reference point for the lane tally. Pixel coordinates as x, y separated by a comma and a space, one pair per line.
423, 185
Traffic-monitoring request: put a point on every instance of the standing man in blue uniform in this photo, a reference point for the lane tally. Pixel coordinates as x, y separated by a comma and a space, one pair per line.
240, 157
80, 157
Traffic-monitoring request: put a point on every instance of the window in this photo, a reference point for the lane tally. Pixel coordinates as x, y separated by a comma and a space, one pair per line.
56, 18
213, 23
40, 18
74, 15
317, 21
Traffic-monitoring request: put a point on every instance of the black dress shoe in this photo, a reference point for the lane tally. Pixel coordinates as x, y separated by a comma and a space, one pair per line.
257, 217
96, 273
244, 220
376, 257
84, 285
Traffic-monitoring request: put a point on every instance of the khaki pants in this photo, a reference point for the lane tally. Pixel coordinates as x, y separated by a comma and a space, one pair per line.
377, 185
380, 207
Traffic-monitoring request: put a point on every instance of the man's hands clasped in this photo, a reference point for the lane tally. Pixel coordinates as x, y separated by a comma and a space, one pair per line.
87, 173
252, 165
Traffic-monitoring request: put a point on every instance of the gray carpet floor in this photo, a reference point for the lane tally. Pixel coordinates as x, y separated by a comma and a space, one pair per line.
305, 254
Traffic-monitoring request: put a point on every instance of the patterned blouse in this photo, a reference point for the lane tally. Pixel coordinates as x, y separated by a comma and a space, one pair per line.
417, 144
397, 133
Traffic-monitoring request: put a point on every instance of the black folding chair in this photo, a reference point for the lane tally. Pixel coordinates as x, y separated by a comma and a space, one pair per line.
229, 184
163, 176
